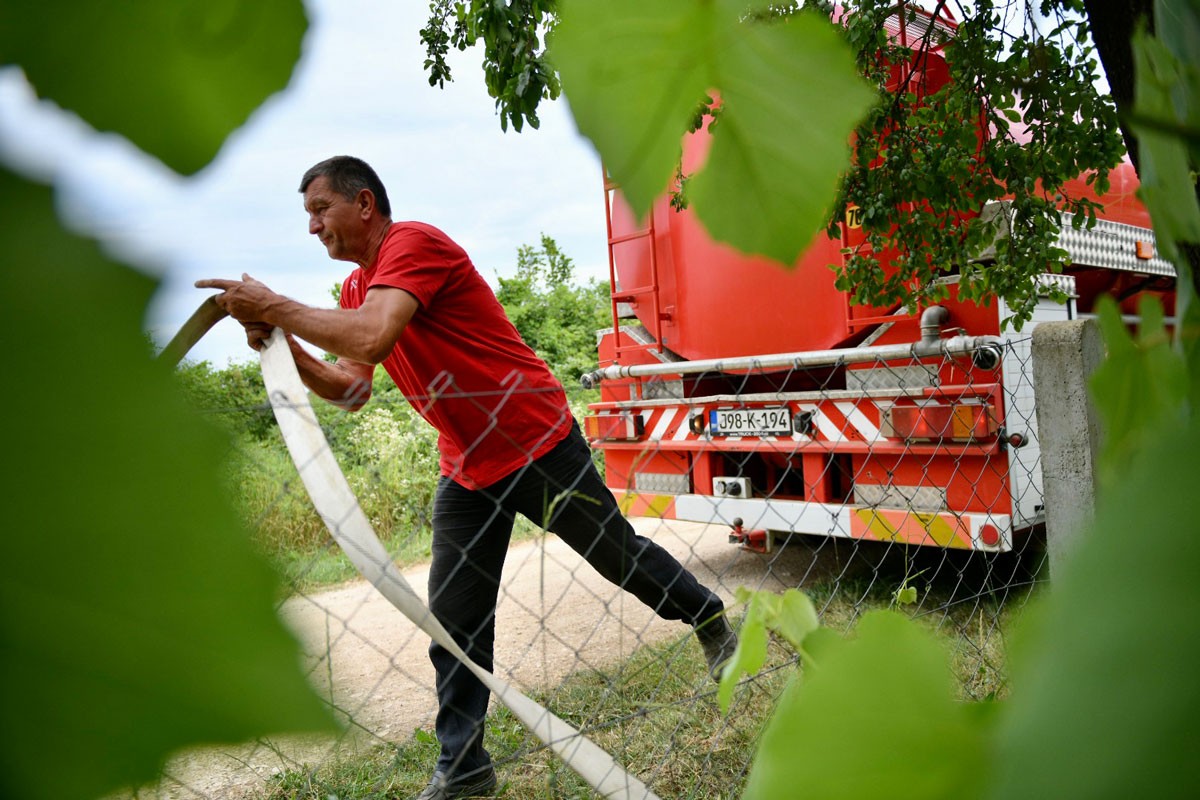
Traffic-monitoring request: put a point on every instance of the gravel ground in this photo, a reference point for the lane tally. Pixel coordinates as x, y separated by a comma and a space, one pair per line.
555, 616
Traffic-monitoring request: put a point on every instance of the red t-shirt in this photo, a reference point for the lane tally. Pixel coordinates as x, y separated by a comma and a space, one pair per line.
460, 362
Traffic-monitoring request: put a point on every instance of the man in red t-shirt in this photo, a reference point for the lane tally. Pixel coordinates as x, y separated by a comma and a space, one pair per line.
508, 443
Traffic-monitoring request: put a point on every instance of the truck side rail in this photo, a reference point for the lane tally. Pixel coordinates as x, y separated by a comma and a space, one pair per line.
985, 351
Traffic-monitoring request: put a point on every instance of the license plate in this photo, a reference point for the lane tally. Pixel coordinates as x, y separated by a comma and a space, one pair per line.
750, 422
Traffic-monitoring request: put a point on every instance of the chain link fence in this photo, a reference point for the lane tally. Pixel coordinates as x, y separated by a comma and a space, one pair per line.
904, 464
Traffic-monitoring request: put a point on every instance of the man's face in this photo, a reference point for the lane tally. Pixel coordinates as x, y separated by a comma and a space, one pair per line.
336, 221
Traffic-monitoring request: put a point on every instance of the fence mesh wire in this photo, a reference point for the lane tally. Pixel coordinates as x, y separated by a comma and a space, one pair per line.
636, 684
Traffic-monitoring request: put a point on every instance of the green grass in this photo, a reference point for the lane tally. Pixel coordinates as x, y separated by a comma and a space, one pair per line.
646, 711
657, 714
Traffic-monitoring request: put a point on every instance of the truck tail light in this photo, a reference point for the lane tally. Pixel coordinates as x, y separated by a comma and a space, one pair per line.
622, 426
961, 422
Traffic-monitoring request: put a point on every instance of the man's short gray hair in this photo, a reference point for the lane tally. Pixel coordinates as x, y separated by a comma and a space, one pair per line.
348, 176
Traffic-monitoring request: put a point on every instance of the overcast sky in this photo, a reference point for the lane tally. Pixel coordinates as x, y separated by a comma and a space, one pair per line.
359, 89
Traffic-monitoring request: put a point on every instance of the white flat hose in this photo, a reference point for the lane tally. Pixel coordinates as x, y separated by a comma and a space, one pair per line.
338, 507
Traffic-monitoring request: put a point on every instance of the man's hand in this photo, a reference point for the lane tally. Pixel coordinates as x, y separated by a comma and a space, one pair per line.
246, 300
367, 334
257, 334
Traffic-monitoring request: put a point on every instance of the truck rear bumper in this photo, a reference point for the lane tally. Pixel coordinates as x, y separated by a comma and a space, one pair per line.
965, 531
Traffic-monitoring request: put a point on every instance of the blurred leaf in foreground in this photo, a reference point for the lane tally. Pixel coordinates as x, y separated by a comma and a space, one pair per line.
135, 618
174, 78
1105, 697
873, 717
1140, 388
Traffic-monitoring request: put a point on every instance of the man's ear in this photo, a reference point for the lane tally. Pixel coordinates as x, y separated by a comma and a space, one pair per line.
364, 201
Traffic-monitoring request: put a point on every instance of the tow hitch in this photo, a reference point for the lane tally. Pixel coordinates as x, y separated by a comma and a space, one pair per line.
756, 541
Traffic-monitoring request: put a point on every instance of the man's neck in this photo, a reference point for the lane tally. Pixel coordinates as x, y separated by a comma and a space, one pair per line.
375, 239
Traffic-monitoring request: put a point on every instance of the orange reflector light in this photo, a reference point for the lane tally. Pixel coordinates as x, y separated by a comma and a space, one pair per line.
622, 426
941, 423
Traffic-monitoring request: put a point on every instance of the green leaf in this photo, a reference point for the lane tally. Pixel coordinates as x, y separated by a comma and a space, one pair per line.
1182, 38
1139, 388
791, 100
635, 73
820, 642
791, 615
1168, 182
795, 618
751, 652
135, 616
874, 717
175, 78
1105, 697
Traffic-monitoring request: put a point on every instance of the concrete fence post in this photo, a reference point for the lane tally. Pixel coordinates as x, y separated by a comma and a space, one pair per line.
1065, 354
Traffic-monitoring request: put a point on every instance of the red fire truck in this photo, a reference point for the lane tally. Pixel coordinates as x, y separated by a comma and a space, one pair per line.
736, 392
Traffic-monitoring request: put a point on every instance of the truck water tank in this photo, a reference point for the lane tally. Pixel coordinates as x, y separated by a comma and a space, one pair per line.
714, 301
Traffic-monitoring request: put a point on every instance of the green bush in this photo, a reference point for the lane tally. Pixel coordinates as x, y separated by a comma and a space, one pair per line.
235, 396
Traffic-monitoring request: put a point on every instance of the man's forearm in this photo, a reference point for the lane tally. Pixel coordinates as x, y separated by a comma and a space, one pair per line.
330, 382
342, 332
365, 335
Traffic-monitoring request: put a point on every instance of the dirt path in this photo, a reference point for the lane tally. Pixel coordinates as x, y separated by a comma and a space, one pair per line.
555, 616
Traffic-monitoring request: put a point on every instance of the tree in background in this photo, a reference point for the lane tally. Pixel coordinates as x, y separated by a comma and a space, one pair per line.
1026, 76
514, 62
556, 316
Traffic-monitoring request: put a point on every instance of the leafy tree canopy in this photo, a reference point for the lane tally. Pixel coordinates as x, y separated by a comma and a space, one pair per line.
514, 60
1027, 76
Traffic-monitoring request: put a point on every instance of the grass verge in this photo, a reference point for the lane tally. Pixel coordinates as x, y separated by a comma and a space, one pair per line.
657, 714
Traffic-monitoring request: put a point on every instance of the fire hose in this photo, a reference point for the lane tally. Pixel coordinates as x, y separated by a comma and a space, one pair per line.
338, 507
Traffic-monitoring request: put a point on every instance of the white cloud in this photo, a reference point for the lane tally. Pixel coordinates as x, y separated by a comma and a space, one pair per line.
359, 89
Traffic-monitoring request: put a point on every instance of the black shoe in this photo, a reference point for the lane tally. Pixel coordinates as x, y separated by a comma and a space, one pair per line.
479, 784
719, 641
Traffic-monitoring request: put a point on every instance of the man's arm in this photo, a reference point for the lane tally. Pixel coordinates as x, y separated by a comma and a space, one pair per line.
365, 335
345, 383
